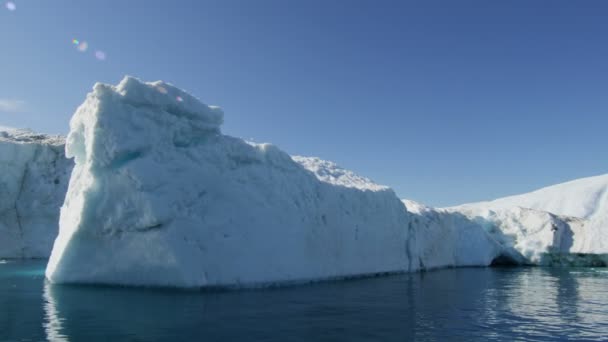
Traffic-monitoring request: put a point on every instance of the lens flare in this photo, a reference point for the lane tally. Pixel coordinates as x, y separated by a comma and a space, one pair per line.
75, 41
82, 47
179, 99
11, 6
161, 90
100, 55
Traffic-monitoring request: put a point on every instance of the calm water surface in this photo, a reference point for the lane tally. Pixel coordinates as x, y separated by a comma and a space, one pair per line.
467, 304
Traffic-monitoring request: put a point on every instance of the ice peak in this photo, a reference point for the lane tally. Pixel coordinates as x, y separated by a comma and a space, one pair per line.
163, 96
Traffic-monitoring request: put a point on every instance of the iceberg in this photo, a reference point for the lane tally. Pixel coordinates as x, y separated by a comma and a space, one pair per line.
34, 175
160, 197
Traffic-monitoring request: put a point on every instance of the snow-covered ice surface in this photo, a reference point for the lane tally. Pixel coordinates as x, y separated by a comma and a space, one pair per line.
34, 174
585, 198
159, 196
330, 172
561, 224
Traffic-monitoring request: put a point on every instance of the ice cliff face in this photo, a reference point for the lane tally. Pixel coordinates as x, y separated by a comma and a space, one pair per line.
443, 239
159, 196
34, 174
533, 237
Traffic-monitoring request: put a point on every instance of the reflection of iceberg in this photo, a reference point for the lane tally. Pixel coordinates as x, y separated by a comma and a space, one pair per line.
53, 323
86, 313
112, 314
549, 303
473, 304
531, 297
590, 296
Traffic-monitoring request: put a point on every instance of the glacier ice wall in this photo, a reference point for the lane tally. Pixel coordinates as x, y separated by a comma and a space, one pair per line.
529, 236
34, 174
444, 239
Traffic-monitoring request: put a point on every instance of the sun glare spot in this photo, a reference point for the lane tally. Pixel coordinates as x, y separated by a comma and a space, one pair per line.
100, 55
11, 6
82, 47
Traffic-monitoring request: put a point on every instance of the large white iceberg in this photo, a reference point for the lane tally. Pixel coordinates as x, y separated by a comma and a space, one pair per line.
159, 196
34, 174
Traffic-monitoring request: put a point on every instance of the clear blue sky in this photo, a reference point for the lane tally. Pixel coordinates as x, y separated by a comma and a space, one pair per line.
445, 101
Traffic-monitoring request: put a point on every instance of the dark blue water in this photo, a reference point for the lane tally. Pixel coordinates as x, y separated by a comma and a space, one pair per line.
468, 304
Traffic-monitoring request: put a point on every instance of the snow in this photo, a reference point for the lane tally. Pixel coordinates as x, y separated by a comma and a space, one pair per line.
585, 198
33, 179
160, 197
416, 207
329, 172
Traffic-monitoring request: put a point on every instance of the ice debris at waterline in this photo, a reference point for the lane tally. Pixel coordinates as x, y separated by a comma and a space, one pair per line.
34, 174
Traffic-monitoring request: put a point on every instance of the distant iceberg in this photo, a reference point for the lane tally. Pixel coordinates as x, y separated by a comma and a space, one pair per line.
34, 175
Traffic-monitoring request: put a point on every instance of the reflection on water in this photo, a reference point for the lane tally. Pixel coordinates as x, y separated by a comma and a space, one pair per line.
456, 304
52, 320
539, 303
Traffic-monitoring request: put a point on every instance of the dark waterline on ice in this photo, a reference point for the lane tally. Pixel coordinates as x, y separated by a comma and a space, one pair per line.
543, 304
